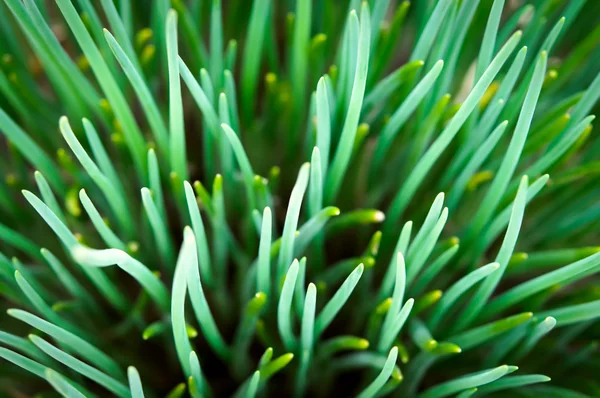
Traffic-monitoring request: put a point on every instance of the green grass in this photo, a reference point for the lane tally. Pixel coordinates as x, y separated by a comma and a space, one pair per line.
299, 198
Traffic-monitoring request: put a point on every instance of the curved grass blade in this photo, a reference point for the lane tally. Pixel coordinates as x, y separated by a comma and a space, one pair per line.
481, 334
245, 330
48, 195
117, 23
114, 196
216, 43
101, 258
61, 385
101, 156
149, 106
341, 343
225, 151
107, 257
539, 331
433, 270
154, 183
323, 125
268, 370
429, 33
489, 38
77, 290
36, 368
466, 382
503, 218
200, 235
489, 116
414, 180
177, 145
421, 335
40, 305
476, 161
71, 340
205, 105
299, 59
418, 253
253, 385
340, 161
315, 190
401, 247
386, 87
457, 290
199, 302
107, 235
307, 334
23, 345
510, 160
377, 384
252, 51
398, 294
196, 375
573, 313
520, 292
569, 138
264, 255
285, 304
23, 362
80, 367
483, 294
159, 228
135, 383
182, 342
243, 161
312, 228
402, 114
389, 335
291, 220
510, 382
335, 304
133, 138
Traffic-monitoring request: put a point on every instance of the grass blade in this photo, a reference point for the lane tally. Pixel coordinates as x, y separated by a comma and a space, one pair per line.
383, 377
285, 304
291, 221
481, 297
335, 304
343, 153
466, 382
80, 367
417, 175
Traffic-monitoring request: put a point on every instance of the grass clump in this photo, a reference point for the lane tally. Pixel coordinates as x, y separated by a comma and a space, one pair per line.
307, 198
